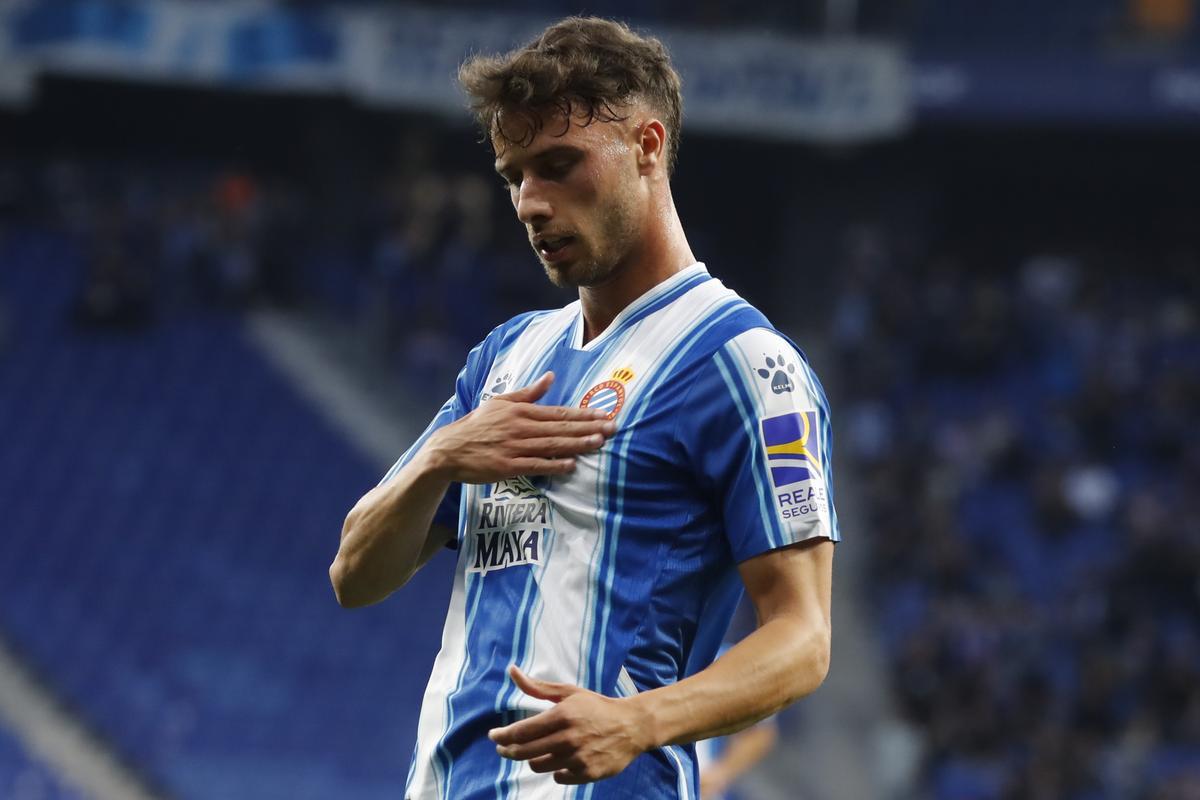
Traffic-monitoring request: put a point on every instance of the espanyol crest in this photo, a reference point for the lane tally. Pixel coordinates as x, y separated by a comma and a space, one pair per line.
609, 396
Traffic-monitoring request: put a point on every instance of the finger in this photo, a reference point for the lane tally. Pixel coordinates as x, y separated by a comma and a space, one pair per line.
543, 690
553, 762
539, 726
561, 446
531, 393
570, 777
563, 413
531, 465
536, 428
554, 745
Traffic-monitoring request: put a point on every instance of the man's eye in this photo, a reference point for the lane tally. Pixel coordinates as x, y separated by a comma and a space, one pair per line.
558, 169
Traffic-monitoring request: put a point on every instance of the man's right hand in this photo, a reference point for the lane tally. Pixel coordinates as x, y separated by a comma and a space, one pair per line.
510, 435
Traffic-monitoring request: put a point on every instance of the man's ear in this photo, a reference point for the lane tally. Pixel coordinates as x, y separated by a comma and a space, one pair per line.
652, 146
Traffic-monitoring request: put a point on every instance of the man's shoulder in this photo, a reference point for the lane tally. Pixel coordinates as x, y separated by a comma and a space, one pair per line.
735, 337
728, 320
506, 334
762, 342
515, 326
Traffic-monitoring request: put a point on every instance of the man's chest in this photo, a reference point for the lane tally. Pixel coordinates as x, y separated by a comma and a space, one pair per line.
528, 519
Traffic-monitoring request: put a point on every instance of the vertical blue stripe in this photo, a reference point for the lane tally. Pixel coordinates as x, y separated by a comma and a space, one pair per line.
520, 633
616, 488
474, 589
507, 687
766, 499
601, 478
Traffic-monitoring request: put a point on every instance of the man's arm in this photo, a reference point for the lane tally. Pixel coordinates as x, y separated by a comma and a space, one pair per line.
388, 535
588, 736
784, 659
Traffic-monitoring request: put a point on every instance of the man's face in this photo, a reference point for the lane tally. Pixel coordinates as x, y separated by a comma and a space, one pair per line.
578, 195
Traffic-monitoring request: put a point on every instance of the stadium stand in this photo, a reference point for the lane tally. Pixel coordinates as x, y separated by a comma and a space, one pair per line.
1024, 24
23, 777
160, 569
1021, 437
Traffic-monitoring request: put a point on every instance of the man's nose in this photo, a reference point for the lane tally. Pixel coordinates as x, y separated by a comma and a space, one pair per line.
532, 205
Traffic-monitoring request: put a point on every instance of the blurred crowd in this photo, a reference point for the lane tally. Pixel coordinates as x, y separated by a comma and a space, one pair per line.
409, 264
1028, 442
152, 240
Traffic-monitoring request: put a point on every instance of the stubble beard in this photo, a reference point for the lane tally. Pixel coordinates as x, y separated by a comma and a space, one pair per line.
585, 272
603, 258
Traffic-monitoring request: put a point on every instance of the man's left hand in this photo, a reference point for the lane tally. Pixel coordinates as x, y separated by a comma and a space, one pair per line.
584, 738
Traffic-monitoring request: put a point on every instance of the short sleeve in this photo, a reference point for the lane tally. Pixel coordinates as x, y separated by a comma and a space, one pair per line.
461, 403
756, 430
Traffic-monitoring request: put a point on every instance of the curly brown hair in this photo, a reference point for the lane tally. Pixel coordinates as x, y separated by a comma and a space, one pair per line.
581, 67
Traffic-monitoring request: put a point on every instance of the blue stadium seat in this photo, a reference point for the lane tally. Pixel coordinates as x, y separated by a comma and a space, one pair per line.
22, 777
171, 509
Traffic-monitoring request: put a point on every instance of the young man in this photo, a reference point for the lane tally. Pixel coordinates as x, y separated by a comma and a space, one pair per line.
612, 473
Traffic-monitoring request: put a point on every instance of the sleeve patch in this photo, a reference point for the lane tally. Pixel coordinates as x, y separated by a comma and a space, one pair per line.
793, 455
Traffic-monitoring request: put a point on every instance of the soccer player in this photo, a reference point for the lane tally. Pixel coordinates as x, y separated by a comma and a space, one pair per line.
611, 473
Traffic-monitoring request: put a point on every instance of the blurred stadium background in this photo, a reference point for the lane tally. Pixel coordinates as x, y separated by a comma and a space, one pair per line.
244, 247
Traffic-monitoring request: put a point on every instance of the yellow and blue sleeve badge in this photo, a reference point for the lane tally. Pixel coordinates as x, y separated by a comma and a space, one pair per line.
792, 447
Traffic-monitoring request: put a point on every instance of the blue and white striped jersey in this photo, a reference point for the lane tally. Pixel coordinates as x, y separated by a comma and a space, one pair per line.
620, 577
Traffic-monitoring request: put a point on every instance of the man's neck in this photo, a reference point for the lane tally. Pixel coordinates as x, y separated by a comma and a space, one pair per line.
658, 259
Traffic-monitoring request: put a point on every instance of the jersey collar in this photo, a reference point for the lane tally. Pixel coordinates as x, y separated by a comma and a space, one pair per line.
658, 296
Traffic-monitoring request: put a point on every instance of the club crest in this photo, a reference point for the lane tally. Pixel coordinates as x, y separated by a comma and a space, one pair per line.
609, 396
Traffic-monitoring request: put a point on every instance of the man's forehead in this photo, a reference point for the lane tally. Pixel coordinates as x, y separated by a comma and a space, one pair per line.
519, 136
508, 154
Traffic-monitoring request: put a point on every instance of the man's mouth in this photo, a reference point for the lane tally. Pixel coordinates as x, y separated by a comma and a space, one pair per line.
550, 246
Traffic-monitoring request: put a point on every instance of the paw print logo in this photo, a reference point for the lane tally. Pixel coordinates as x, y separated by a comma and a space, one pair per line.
499, 387
780, 380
